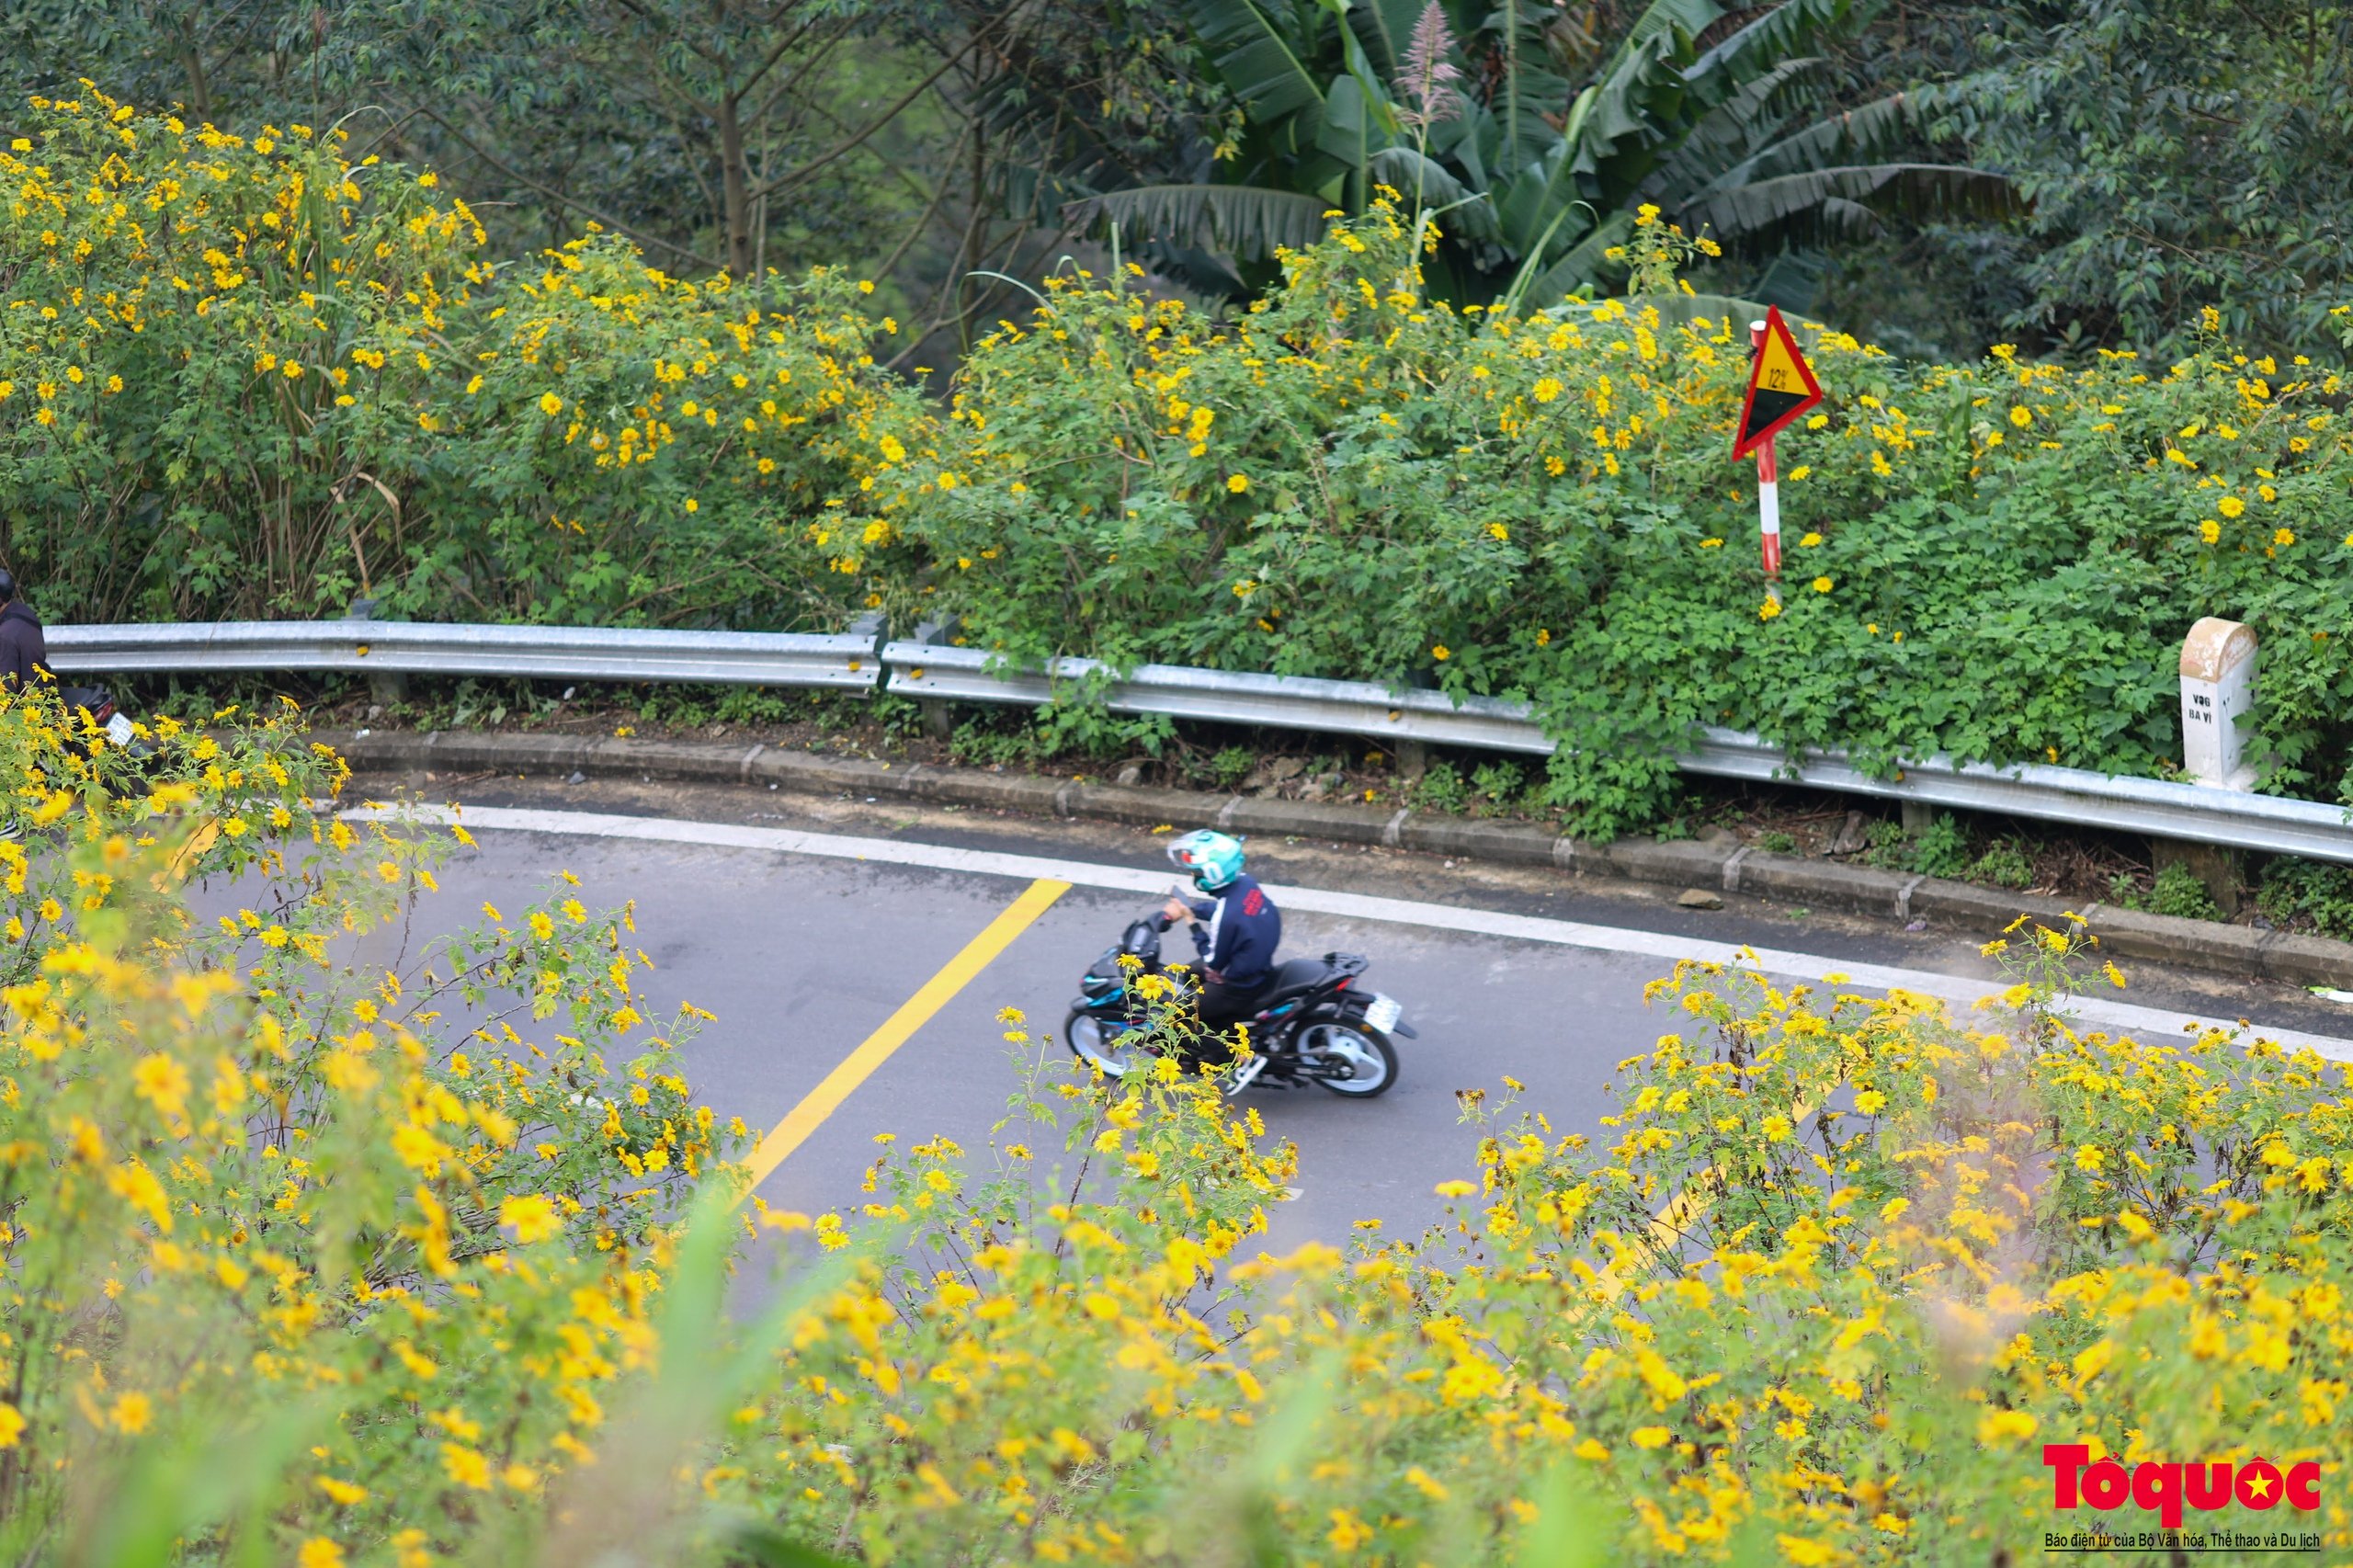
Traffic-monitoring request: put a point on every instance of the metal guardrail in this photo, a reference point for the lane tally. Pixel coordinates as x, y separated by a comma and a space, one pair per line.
394, 647
2191, 812
2197, 813
1281, 703
859, 660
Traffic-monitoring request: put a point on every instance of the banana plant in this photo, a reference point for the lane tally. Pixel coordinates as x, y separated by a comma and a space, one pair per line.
1474, 113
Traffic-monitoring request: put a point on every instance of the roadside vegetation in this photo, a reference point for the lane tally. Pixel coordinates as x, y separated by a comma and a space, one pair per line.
246, 377
1395, 341
2021, 855
328, 1252
2016, 855
1932, 175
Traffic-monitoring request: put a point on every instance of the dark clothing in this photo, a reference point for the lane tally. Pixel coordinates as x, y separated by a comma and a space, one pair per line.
1224, 1003
1237, 947
24, 656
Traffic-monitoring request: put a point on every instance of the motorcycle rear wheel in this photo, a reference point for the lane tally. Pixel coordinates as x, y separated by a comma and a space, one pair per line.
1095, 1040
1366, 1051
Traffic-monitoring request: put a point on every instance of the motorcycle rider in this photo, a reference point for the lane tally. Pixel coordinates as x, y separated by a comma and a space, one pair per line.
1243, 927
24, 653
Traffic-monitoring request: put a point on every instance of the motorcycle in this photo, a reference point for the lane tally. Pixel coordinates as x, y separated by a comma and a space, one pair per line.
1313, 1026
98, 703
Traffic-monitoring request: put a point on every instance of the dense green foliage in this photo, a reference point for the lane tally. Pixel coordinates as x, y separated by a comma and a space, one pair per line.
251, 376
925, 137
1534, 187
254, 379
1996, 561
2174, 154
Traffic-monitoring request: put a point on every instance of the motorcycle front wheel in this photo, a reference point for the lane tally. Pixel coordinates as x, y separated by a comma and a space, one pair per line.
1370, 1062
1112, 1044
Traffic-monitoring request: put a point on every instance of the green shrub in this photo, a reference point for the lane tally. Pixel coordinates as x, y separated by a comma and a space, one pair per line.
247, 377
2004, 865
1994, 561
990, 739
2307, 890
2180, 894
1778, 842
1942, 847
1498, 786
2175, 891
1440, 789
1885, 846
1231, 766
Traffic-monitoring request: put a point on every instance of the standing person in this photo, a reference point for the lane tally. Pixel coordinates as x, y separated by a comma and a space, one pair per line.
1237, 927
24, 655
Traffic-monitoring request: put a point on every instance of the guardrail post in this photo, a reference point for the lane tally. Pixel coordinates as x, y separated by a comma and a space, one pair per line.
387, 687
938, 715
875, 627
1413, 757
2217, 689
2218, 869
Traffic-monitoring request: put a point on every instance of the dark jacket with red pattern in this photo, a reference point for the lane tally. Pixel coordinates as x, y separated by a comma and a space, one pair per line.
1237, 929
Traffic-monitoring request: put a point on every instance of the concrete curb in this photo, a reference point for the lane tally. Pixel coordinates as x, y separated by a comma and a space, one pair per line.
2235, 950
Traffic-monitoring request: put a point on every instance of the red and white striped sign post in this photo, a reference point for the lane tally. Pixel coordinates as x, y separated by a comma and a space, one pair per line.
1770, 516
1780, 388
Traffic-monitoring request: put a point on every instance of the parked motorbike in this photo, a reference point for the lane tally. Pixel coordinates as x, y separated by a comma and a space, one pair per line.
1314, 1023
98, 703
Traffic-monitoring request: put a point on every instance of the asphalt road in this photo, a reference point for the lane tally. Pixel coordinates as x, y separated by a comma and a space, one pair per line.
802, 956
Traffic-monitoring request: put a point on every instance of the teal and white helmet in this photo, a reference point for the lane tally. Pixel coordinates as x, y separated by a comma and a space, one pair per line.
1213, 859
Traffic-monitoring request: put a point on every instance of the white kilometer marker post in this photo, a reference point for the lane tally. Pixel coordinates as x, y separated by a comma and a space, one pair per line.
2217, 687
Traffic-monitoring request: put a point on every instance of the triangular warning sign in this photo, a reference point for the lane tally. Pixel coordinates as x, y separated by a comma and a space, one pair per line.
1780, 386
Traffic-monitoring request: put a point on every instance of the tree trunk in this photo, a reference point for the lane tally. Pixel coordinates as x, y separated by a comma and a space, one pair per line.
976, 234
735, 189
199, 89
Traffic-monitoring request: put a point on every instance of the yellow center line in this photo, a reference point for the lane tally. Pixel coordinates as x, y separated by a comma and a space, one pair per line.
899, 1026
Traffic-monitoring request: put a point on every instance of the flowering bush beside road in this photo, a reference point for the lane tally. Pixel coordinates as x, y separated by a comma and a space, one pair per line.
319, 1255
290, 1251
1822, 1293
245, 376
1996, 561
253, 378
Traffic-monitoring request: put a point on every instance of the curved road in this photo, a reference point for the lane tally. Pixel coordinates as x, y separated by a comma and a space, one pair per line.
759, 908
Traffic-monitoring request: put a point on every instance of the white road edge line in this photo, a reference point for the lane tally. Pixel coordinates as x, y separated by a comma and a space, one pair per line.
2147, 1022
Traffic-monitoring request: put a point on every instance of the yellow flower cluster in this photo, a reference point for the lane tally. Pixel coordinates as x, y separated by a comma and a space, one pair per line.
355, 350
1840, 1267
1834, 1269
267, 1189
